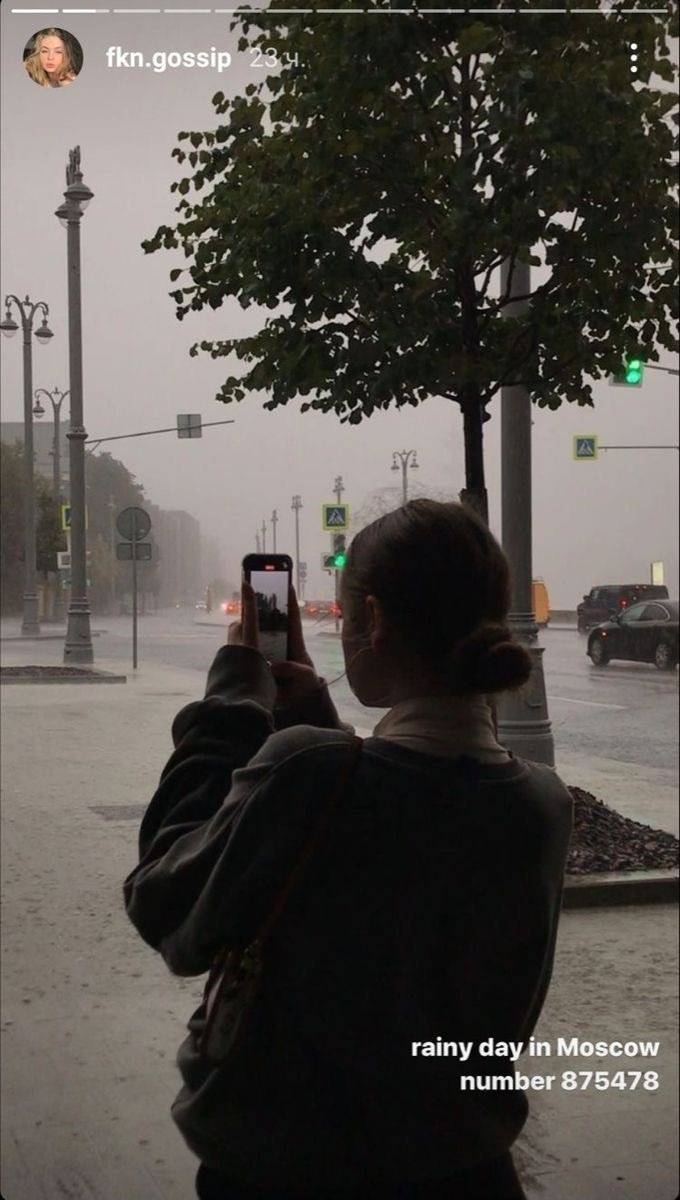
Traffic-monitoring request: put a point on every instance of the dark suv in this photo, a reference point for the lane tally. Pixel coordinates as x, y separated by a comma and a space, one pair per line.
611, 598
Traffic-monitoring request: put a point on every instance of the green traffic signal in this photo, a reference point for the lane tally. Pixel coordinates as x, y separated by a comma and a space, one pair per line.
633, 371
630, 373
339, 550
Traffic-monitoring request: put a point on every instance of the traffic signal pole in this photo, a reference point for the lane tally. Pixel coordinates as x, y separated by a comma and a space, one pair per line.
338, 488
296, 506
523, 723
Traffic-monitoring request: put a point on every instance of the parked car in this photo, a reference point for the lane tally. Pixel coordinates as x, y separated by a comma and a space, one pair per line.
201, 606
603, 601
645, 632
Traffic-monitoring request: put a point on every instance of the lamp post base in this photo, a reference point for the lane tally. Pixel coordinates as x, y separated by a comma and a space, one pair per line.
30, 626
78, 644
523, 723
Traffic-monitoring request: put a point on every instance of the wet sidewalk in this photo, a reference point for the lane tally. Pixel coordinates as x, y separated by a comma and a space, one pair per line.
91, 1018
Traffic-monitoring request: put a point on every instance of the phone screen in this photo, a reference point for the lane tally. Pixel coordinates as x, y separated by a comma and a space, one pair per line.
271, 593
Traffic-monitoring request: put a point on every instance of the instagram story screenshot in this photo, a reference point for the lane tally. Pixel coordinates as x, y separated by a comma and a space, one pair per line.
339, 748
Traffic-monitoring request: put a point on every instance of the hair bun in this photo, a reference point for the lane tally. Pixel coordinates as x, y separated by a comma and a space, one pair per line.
490, 660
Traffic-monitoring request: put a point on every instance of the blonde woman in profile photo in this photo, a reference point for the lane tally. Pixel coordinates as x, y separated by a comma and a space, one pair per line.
51, 58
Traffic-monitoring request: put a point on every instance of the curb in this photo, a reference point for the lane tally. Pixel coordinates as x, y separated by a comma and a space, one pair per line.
609, 890
47, 637
92, 677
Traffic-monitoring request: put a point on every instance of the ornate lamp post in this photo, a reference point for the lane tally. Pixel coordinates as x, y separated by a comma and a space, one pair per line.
56, 399
404, 456
29, 625
78, 645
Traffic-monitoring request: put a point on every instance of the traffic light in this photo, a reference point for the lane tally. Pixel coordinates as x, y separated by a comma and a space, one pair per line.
630, 374
634, 368
339, 552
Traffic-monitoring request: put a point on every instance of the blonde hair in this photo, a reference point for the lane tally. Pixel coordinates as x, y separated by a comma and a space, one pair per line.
34, 67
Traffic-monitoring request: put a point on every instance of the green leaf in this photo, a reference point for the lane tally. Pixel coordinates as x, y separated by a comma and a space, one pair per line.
475, 39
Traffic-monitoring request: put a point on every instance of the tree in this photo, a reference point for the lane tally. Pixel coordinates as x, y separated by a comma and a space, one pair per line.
12, 525
49, 536
111, 488
369, 189
385, 499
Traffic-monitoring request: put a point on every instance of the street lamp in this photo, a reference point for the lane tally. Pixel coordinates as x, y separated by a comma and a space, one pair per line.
404, 456
78, 644
29, 625
56, 399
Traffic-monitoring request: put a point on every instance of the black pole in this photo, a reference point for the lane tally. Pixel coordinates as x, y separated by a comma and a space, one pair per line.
134, 591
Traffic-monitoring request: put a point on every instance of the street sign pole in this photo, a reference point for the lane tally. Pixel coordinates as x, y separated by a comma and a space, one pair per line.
134, 591
133, 524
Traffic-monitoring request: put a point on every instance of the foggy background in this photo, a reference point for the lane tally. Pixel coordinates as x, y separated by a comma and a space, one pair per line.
593, 522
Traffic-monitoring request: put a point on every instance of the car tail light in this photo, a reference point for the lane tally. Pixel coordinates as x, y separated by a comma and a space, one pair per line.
623, 603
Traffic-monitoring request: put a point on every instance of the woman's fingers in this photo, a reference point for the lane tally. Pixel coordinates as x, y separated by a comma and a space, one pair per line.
249, 623
296, 641
295, 681
235, 634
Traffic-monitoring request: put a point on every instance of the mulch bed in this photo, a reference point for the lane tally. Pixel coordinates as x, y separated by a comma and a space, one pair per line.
44, 672
603, 840
31, 674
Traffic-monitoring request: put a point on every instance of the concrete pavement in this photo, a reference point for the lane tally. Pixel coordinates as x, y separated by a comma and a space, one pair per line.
91, 1019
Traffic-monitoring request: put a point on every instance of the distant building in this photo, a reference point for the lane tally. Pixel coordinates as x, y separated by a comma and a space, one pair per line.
178, 537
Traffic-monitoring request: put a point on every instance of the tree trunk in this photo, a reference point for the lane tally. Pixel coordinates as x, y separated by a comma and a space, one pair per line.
474, 492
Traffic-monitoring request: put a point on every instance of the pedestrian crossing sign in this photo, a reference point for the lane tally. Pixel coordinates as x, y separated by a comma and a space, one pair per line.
585, 447
334, 517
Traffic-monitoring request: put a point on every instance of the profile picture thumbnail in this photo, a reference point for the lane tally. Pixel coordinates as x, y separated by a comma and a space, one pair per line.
53, 58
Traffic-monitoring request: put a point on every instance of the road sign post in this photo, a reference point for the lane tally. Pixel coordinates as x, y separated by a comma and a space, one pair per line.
134, 595
133, 524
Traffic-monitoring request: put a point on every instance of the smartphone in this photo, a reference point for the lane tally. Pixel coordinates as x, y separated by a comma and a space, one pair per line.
269, 575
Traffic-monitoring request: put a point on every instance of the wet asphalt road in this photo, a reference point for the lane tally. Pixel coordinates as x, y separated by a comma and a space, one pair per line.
626, 711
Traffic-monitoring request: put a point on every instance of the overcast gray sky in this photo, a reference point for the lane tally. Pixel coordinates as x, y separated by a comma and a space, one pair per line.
593, 522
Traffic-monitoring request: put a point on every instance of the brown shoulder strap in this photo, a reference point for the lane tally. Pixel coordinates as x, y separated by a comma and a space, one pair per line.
311, 844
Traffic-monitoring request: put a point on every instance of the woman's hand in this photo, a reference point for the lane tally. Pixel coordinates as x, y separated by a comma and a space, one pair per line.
246, 632
296, 678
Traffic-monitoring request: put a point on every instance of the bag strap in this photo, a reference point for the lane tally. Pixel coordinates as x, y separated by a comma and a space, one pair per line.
311, 845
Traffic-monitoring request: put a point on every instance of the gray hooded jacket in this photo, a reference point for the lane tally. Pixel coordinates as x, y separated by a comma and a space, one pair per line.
428, 912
